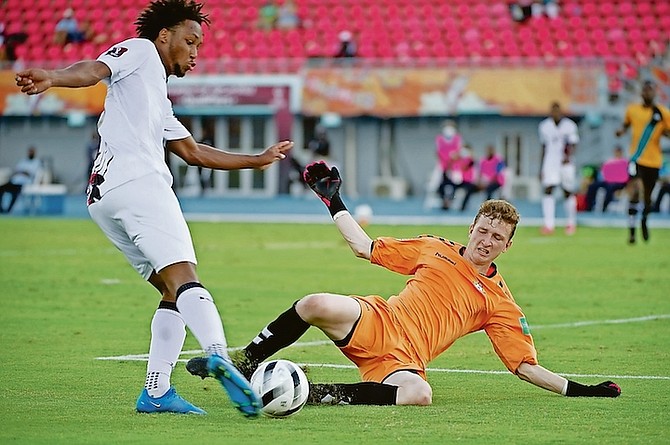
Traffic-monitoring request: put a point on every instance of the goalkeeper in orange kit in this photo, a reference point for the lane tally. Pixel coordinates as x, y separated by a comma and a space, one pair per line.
454, 290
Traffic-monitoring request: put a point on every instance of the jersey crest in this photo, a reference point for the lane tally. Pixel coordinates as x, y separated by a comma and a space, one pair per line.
117, 51
479, 286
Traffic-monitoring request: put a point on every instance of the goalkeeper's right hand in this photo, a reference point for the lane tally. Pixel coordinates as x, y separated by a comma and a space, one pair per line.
323, 180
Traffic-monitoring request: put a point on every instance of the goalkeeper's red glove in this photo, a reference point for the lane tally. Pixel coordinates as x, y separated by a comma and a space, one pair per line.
325, 182
604, 389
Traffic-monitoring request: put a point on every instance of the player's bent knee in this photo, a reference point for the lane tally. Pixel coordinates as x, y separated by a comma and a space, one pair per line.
312, 306
420, 394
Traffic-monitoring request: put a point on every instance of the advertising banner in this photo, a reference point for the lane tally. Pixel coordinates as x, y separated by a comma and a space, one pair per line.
389, 92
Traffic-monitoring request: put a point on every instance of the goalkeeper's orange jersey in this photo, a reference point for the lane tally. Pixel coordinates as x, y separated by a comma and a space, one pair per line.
445, 299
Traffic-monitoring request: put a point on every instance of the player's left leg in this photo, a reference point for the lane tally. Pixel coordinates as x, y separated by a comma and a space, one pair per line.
649, 178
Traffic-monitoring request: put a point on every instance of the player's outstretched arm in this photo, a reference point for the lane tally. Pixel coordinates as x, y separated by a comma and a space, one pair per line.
204, 155
81, 74
325, 182
539, 376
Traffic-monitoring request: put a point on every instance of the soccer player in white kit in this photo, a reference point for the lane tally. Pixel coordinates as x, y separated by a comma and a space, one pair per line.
559, 138
130, 195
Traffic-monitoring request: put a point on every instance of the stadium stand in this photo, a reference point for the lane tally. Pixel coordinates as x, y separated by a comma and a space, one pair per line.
622, 34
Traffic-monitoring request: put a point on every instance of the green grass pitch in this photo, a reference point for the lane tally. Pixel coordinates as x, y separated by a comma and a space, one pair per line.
68, 298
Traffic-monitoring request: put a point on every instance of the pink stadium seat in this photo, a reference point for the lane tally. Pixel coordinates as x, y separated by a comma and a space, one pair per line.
607, 7
662, 9
626, 9
589, 9
643, 8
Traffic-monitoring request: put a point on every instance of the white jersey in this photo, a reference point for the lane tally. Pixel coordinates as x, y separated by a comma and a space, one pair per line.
554, 138
137, 117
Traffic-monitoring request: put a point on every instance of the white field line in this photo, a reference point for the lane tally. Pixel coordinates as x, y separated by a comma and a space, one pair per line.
144, 357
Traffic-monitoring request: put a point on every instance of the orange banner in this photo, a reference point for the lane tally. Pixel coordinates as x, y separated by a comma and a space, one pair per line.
389, 92
55, 101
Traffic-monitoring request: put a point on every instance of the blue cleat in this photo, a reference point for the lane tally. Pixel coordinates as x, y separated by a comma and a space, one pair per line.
243, 397
170, 402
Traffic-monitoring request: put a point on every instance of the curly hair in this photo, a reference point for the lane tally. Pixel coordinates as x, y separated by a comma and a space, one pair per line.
166, 14
501, 210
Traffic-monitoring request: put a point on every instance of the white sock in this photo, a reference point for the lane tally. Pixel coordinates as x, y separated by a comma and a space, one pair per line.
571, 210
197, 307
549, 211
168, 333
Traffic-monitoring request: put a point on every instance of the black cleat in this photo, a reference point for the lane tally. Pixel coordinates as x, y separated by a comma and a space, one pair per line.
198, 366
645, 230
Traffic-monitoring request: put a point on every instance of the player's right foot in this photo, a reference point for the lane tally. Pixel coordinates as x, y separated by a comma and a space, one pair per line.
198, 365
170, 402
238, 388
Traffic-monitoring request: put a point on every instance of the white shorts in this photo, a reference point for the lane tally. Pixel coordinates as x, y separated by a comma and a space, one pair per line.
564, 175
143, 219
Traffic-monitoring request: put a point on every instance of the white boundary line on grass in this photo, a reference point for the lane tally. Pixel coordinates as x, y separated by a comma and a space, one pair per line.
144, 357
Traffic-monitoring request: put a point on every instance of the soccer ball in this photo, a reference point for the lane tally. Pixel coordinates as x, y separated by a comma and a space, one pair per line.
282, 387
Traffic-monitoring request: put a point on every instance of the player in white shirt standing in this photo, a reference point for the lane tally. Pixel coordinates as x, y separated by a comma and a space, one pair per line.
559, 138
130, 195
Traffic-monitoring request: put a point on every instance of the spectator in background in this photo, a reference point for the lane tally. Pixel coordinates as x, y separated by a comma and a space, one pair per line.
89, 33
348, 47
319, 145
25, 172
287, 15
67, 29
463, 175
613, 177
559, 138
447, 145
551, 8
267, 15
491, 172
521, 10
9, 41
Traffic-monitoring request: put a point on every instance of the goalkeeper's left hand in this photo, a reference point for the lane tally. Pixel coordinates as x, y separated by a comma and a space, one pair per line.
323, 180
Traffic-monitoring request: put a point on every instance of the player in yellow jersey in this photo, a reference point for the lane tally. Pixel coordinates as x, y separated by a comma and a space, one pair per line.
648, 122
454, 290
